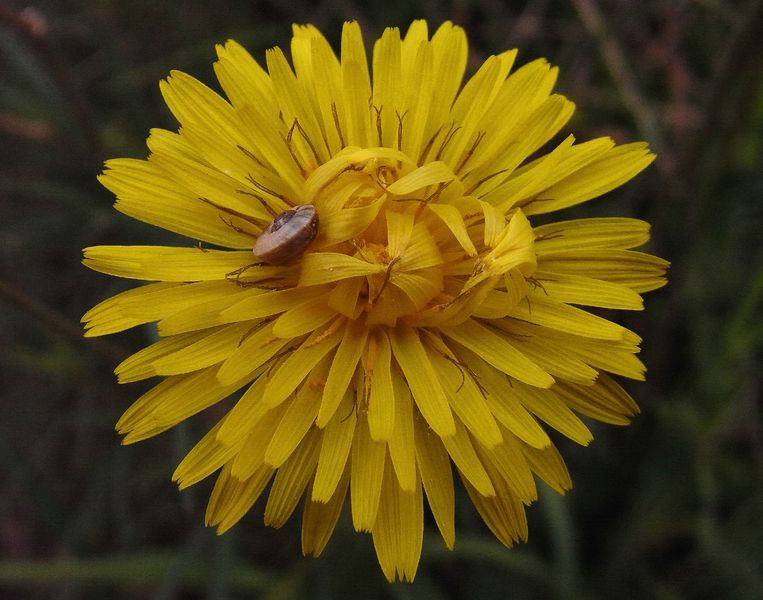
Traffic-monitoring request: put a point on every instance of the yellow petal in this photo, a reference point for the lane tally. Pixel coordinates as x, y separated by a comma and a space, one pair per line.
598, 177
502, 401
320, 518
254, 350
251, 457
205, 458
381, 399
636, 270
583, 234
210, 349
327, 82
422, 380
368, 458
291, 480
245, 413
244, 81
451, 216
510, 463
548, 464
342, 369
437, 478
295, 104
172, 401
496, 350
461, 451
401, 447
356, 85
300, 362
160, 301
267, 303
232, 498
387, 95
335, 449
303, 318
399, 529
449, 52
575, 289
108, 317
465, 399
554, 352
549, 408
163, 263
147, 194
604, 401
430, 174
503, 513
299, 417
542, 310
140, 365
325, 267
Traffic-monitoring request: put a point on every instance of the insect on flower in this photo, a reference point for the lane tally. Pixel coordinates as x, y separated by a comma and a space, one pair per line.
288, 235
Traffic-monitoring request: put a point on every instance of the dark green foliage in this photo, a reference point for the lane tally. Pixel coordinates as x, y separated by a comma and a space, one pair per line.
671, 507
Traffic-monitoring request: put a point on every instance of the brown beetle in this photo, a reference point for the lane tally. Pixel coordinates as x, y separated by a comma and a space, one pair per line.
288, 235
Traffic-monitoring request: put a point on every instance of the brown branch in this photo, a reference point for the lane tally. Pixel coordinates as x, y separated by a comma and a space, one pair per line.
58, 323
30, 129
741, 59
32, 26
620, 71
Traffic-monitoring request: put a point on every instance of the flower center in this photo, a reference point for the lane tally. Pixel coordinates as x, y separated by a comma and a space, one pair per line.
403, 242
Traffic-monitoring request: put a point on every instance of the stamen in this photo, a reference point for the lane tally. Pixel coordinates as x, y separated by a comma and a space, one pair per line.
235, 276
537, 283
443, 349
515, 336
549, 236
483, 180
436, 194
257, 326
230, 224
446, 140
459, 366
353, 167
335, 114
400, 129
265, 203
427, 199
273, 360
353, 409
428, 147
368, 362
235, 213
266, 190
309, 141
292, 151
387, 277
254, 157
480, 136
378, 112
527, 203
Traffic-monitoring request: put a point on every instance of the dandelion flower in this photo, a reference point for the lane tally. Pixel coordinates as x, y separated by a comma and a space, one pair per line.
402, 314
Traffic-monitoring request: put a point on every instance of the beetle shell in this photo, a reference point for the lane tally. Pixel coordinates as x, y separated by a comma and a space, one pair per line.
288, 235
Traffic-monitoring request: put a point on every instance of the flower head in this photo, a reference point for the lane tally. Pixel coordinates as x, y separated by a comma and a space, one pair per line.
401, 314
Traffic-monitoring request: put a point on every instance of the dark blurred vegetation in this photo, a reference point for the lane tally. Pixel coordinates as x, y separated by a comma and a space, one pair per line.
671, 507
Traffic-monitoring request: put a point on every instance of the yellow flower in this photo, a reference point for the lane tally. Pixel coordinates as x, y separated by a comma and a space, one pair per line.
425, 322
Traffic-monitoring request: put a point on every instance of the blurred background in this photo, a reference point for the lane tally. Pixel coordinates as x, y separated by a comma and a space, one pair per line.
670, 507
